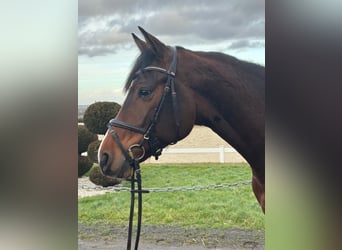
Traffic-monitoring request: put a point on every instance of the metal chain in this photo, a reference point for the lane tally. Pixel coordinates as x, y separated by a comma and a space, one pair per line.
172, 189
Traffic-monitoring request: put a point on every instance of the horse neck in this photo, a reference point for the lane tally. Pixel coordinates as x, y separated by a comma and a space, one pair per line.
230, 100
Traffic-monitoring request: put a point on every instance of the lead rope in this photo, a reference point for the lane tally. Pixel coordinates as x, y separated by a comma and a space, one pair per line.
136, 177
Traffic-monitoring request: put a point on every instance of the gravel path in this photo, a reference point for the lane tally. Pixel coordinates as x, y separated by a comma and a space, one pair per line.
87, 188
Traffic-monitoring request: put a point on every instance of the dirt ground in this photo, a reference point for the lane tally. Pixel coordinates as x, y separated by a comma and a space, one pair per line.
169, 238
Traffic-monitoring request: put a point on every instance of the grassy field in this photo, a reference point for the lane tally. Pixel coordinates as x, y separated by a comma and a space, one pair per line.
234, 207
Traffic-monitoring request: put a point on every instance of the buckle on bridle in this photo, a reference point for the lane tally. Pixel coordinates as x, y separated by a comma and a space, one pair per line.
131, 153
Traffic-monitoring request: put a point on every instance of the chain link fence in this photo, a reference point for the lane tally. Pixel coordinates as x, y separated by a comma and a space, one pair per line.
169, 189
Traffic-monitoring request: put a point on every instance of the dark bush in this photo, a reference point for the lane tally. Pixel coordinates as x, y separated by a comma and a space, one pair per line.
98, 114
92, 150
85, 137
84, 164
96, 177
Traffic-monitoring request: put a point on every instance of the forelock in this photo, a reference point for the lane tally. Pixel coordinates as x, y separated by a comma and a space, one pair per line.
144, 59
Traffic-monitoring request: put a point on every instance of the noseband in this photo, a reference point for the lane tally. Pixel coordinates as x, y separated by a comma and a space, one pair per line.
149, 133
149, 136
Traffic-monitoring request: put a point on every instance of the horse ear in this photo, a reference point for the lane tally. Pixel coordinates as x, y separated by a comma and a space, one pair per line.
157, 46
140, 43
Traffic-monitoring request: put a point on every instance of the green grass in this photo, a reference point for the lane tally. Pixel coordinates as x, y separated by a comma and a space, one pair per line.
234, 207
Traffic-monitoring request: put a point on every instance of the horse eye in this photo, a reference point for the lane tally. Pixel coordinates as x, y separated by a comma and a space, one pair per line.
144, 92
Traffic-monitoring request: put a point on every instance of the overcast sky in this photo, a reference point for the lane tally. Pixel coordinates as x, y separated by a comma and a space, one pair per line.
107, 51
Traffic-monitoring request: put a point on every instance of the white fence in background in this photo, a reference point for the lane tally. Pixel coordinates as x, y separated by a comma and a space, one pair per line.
221, 150
220, 154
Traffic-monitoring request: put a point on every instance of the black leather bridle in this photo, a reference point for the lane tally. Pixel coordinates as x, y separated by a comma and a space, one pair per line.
149, 136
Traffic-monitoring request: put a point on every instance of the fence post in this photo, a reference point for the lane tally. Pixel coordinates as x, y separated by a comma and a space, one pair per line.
221, 150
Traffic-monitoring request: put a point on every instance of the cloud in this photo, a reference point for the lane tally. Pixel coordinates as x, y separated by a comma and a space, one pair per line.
239, 44
104, 26
95, 51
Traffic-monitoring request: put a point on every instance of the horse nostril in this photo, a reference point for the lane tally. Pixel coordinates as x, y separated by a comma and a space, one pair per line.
104, 163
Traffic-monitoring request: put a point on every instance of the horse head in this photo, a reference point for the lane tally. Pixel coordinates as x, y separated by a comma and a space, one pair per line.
156, 112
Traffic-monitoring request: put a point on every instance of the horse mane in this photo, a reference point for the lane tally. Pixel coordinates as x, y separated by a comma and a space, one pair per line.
147, 57
253, 68
143, 60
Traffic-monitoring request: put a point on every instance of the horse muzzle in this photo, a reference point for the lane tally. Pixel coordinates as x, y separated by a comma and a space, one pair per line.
118, 168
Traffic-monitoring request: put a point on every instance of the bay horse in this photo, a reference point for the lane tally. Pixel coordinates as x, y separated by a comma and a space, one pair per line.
171, 89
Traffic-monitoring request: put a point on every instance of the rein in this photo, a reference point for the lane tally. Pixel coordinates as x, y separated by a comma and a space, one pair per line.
140, 191
153, 142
